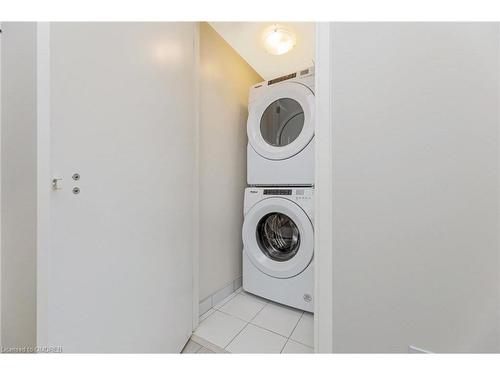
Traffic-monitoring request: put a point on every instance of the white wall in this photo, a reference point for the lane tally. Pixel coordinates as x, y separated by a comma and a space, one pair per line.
224, 82
415, 187
18, 184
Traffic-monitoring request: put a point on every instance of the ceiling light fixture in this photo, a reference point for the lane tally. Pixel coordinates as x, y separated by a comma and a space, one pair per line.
278, 40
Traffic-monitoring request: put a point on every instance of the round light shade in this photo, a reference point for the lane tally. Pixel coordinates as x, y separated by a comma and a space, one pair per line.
278, 41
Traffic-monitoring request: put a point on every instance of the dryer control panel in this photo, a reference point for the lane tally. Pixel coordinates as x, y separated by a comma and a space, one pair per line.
304, 77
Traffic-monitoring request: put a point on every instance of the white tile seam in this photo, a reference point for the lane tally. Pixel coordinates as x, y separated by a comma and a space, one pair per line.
267, 329
297, 341
227, 300
205, 316
200, 349
232, 316
208, 351
208, 344
270, 330
258, 312
220, 305
283, 348
291, 333
229, 343
301, 343
247, 323
296, 324
237, 334
251, 322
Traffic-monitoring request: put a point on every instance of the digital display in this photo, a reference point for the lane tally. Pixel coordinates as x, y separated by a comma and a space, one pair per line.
281, 79
277, 192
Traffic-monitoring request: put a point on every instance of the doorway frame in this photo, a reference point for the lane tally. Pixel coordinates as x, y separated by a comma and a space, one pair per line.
196, 207
323, 217
1, 185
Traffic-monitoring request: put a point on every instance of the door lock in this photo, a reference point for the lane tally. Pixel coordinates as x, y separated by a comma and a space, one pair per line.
55, 184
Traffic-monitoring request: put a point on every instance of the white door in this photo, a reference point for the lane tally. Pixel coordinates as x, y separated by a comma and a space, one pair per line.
281, 121
278, 237
119, 269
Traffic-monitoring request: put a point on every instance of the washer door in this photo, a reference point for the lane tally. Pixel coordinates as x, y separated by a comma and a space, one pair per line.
281, 122
278, 237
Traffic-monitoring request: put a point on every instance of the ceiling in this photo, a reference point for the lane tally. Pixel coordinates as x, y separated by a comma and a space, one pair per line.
247, 39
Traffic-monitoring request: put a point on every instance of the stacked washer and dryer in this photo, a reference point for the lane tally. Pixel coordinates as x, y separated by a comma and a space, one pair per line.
278, 229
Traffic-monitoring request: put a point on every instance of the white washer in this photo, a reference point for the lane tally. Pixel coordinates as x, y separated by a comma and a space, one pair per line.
280, 130
278, 245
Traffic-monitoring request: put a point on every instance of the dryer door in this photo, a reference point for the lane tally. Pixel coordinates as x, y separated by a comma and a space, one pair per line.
281, 122
278, 237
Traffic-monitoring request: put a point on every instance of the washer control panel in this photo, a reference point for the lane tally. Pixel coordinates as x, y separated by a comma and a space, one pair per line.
277, 192
301, 195
295, 194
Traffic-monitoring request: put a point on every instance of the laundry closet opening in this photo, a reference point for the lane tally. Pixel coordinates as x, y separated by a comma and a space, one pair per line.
256, 190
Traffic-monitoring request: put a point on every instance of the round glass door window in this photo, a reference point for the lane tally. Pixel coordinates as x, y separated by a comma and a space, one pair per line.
282, 122
278, 236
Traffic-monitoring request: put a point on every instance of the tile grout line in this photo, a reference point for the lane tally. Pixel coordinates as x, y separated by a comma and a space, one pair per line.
301, 343
208, 344
270, 330
214, 308
241, 330
251, 321
232, 295
207, 316
229, 343
232, 316
247, 323
277, 333
288, 338
298, 321
283, 348
291, 333
234, 291
267, 329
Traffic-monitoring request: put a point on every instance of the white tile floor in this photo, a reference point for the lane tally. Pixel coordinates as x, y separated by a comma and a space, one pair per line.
244, 323
193, 347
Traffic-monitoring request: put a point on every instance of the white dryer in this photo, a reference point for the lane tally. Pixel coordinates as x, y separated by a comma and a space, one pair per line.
278, 245
280, 130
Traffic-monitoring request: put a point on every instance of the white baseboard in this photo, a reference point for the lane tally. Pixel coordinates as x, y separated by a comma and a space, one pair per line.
213, 299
